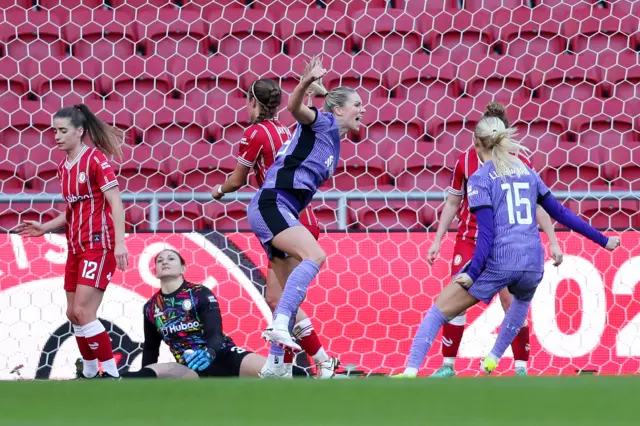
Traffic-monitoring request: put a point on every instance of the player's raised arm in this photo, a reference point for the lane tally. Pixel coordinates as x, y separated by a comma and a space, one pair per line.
302, 113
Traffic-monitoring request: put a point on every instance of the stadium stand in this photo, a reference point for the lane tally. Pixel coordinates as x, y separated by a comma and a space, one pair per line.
174, 75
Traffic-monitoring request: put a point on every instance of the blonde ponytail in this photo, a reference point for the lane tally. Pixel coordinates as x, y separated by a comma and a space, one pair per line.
494, 135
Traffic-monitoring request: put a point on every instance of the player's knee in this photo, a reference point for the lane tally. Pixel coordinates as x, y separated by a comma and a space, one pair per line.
318, 256
84, 315
72, 315
272, 300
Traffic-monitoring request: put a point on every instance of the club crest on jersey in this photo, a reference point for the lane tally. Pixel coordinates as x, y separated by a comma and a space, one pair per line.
187, 305
82, 177
96, 238
457, 260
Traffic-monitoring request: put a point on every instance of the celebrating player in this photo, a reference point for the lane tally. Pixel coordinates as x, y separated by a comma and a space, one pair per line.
187, 317
508, 252
457, 203
259, 145
302, 164
94, 222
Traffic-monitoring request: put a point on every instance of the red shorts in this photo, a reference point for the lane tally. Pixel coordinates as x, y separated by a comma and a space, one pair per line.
462, 254
90, 268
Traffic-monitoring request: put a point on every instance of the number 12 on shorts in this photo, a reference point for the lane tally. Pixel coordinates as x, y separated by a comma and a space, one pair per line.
89, 269
523, 214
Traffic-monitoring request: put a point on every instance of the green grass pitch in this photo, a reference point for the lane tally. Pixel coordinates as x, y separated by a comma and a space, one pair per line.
539, 401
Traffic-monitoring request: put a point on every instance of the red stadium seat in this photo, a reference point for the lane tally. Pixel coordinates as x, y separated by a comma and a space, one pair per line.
64, 82
359, 72
386, 30
421, 167
348, 7
58, 5
181, 217
476, 5
228, 120
419, 77
497, 79
623, 80
361, 167
387, 215
279, 8
28, 123
574, 167
12, 171
206, 77
597, 32
41, 168
610, 214
248, 32
390, 123
143, 168
314, 31
13, 83
418, 7
282, 68
134, 82
173, 33
31, 34
227, 216
566, 79
327, 214
172, 123
461, 34
14, 213
526, 31
202, 166
138, 4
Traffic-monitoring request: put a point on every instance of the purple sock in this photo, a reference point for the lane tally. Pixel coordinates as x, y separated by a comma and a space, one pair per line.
513, 321
296, 288
276, 350
425, 336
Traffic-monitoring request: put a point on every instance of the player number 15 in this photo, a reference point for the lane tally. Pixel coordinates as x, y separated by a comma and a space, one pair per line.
521, 217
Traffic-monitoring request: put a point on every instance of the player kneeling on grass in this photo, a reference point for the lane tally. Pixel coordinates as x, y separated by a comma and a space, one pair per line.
502, 194
187, 317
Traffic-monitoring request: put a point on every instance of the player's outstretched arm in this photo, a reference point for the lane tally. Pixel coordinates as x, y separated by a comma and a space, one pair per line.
573, 222
152, 340
236, 181
545, 223
451, 207
302, 113
33, 228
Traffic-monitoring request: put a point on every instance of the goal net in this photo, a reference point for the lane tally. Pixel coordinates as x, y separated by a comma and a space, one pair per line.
174, 75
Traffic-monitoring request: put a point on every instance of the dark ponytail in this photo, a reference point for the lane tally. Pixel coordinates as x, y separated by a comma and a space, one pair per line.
268, 94
105, 137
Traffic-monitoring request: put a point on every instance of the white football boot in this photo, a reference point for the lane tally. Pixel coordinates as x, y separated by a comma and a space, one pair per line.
279, 335
327, 369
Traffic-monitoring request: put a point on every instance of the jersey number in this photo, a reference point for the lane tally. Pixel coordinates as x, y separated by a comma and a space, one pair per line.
522, 206
238, 350
89, 270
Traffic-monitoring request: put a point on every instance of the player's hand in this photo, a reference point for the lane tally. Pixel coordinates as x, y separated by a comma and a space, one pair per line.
30, 228
613, 243
199, 360
433, 252
314, 71
556, 254
215, 193
464, 280
122, 256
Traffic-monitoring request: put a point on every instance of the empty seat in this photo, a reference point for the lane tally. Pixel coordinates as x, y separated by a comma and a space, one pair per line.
610, 214
41, 168
363, 73
172, 32
462, 34
279, 8
418, 7
623, 80
172, 123
282, 68
566, 79
59, 5
326, 213
181, 217
387, 215
13, 84
476, 5
101, 33
202, 166
247, 31
593, 29
351, 6
227, 216
143, 168
419, 77
314, 31
14, 213
390, 123
31, 34
228, 119
386, 30
419, 166
497, 79
28, 123
12, 171
361, 167
570, 166
206, 77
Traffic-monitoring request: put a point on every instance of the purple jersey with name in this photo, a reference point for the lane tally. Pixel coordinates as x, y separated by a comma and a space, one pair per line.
308, 158
517, 245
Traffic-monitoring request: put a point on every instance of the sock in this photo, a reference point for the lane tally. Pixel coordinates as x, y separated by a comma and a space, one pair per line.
309, 340
143, 373
288, 357
276, 356
100, 343
513, 320
451, 339
425, 336
296, 288
89, 361
520, 346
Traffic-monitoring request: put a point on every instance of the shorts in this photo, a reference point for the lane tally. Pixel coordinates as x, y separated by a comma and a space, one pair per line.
226, 364
269, 214
522, 284
462, 254
90, 268
309, 220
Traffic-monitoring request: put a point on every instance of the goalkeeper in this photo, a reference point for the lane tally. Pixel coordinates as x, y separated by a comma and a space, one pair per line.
186, 316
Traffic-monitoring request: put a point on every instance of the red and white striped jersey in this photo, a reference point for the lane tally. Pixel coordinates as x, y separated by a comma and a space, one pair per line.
467, 164
84, 181
258, 148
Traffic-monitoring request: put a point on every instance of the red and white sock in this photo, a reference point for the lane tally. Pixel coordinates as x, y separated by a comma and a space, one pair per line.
451, 338
520, 346
309, 340
100, 343
89, 360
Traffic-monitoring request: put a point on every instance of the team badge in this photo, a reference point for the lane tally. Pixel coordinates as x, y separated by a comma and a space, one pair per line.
82, 178
457, 260
187, 305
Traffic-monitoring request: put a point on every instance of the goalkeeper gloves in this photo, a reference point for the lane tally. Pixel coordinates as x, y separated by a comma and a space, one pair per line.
199, 360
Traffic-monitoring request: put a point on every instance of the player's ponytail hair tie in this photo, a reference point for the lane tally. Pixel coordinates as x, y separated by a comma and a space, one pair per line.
253, 92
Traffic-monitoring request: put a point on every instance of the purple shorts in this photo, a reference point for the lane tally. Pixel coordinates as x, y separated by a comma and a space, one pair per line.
521, 284
269, 213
